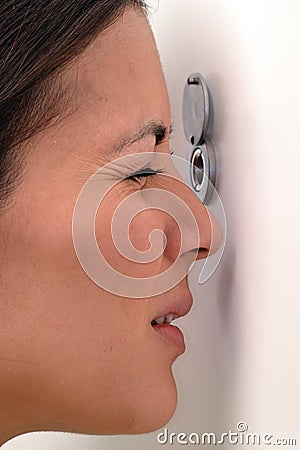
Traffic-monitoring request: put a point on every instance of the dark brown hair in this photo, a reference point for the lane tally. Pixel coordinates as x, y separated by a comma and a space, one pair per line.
37, 39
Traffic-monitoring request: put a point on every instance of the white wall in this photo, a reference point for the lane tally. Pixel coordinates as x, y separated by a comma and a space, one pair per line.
243, 333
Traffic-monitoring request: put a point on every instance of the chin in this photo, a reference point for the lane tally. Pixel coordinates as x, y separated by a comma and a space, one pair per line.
145, 411
154, 410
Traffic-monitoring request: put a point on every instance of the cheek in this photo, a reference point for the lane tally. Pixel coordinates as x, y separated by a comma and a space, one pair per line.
130, 236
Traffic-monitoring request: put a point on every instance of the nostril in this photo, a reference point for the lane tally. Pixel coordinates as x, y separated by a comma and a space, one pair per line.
202, 252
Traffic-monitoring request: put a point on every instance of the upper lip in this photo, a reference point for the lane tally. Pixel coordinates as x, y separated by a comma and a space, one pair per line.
178, 306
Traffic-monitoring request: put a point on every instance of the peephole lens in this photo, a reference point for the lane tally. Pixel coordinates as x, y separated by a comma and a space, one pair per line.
198, 168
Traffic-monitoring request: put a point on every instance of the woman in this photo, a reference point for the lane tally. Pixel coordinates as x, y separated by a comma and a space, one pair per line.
80, 79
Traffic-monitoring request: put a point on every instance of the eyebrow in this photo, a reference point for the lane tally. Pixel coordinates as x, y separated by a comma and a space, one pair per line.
151, 128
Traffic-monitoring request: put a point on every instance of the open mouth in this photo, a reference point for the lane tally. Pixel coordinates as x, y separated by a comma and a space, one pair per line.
167, 319
163, 326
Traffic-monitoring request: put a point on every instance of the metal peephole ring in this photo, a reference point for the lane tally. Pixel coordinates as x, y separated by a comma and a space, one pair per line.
197, 123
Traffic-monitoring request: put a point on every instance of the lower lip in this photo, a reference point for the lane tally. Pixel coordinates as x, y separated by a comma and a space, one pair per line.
172, 333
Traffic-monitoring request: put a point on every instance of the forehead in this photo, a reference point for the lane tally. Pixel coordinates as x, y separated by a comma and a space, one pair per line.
119, 77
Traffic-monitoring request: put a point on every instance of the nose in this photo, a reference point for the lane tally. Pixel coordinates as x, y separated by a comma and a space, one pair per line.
205, 235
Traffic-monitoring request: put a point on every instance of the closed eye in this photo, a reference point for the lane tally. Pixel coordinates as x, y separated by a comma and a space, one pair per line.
143, 173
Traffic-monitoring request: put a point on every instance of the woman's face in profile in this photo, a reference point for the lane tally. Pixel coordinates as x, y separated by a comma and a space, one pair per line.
76, 357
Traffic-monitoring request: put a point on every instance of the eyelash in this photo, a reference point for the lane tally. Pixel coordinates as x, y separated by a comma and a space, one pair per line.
144, 173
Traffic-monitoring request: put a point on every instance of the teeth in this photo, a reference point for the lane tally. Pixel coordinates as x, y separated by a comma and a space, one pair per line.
160, 320
165, 319
169, 318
